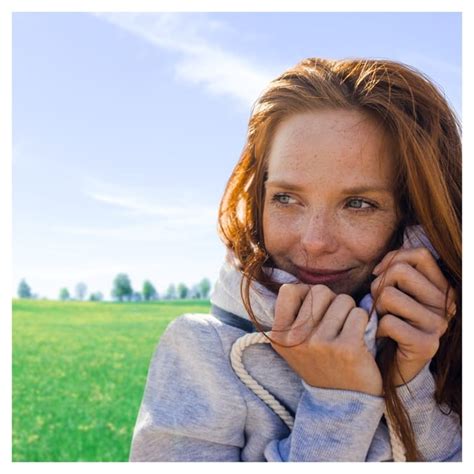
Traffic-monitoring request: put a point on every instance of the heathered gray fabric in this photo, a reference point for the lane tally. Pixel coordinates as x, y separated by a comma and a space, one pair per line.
196, 409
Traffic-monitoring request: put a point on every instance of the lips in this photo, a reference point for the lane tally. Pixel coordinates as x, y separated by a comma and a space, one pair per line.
320, 276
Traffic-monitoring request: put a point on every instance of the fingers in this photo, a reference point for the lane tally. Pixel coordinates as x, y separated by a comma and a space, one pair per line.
420, 259
403, 276
410, 340
317, 301
302, 310
408, 279
393, 301
289, 300
416, 303
355, 325
335, 317
298, 310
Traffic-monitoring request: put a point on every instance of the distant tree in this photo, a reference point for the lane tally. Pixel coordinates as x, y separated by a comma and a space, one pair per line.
149, 291
64, 294
204, 288
182, 291
171, 292
24, 290
122, 287
81, 290
97, 296
194, 292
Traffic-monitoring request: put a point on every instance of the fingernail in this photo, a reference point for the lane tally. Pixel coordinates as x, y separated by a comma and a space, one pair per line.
376, 271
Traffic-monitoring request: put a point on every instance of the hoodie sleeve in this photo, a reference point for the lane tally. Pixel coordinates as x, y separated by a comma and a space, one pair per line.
184, 415
330, 425
339, 425
437, 429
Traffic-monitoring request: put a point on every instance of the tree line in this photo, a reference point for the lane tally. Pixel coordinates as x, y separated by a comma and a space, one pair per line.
122, 290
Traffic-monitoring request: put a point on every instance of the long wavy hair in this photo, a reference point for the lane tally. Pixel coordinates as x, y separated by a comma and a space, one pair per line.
426, 139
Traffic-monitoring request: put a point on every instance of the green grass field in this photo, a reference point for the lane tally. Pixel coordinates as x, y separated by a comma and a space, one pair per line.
79, 370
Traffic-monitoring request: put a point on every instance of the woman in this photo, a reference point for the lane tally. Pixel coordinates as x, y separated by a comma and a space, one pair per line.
342, 221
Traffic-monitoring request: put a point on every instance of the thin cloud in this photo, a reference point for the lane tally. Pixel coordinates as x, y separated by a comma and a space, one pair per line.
200, 61
151, 203
161, 218
183, 231
136, 205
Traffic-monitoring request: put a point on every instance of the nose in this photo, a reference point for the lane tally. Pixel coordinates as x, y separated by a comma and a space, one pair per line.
318, 234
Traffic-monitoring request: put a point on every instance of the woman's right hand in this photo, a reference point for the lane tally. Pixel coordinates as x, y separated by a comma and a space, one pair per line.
326, 332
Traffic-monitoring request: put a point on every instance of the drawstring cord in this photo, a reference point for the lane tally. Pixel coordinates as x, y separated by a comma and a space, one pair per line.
398, 450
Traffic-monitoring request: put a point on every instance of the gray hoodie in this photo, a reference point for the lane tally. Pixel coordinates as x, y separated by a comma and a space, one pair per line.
196, 409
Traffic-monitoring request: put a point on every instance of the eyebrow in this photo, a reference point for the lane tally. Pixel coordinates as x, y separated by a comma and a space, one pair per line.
352, 190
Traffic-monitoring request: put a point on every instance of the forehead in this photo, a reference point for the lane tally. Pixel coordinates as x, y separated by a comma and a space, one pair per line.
346, 144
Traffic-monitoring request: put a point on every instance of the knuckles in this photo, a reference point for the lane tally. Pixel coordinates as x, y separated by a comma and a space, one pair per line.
288, 289
387, 296
398, 271
385, 324
451, 306
294, 289
440, 326
423, 254
347, 300
322, 291
360, 313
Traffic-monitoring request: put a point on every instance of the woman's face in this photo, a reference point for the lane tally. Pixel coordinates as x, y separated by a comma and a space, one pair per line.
329, 209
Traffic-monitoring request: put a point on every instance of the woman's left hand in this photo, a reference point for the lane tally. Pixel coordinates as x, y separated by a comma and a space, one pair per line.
410, 294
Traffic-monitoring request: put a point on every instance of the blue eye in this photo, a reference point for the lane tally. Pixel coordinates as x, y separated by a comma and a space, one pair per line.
357, 203
282, 198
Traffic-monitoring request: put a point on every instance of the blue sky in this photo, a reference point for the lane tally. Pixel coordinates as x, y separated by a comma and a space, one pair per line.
127, 126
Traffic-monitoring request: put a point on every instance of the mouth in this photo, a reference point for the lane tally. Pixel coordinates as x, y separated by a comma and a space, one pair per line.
320, 276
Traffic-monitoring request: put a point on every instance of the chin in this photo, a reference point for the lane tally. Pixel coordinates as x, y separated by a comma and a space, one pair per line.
358, 290
356, 286
353, 287
343, 288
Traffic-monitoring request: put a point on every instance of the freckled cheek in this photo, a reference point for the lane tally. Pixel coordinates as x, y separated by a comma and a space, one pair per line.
367, 255
280, 232
367, 244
